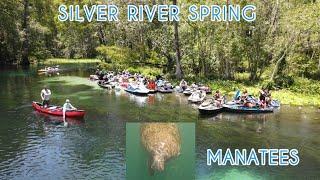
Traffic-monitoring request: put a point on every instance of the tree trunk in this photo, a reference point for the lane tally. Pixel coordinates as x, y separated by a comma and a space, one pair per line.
319, 64
101, 35
276, 68
170, 63
25, 44
179, 73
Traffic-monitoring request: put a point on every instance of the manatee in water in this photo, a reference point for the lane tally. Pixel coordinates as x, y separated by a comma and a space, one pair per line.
162, 141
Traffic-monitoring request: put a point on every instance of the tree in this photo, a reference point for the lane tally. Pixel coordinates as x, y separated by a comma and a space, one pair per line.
179, 72
25, 39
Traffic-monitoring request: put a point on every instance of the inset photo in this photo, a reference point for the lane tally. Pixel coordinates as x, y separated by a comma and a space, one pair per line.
160, 151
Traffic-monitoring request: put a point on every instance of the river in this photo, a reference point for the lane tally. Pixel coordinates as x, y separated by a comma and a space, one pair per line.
34, 146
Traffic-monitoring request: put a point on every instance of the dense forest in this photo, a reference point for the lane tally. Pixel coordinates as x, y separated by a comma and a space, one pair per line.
283, 42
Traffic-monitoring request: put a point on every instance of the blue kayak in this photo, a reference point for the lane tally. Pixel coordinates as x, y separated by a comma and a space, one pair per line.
243, 109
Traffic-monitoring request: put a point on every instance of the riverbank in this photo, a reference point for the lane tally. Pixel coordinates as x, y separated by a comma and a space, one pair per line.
56, 61
286, 96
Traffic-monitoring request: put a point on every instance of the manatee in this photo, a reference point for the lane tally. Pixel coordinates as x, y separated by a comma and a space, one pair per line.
162, 141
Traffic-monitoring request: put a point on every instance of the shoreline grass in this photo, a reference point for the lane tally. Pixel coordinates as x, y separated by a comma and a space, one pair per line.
68, 61
285, 96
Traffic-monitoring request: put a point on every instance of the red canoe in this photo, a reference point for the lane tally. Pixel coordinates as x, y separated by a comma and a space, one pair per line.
57, 111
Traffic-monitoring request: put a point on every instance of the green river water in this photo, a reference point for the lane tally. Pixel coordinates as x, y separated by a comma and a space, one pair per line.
37, 146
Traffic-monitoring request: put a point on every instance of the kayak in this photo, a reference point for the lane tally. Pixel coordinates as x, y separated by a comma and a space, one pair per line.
274, 103
188, 92
124, 84
165, 90
94, 78
118, 87
178, 89
57, 111
137, 92
211, 109
140, 91
197, 97
51, 70
206, 89
152, 91
243, 109
208, 107
106, 85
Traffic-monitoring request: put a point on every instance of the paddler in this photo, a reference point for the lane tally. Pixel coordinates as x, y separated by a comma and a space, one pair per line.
262, 98
183, 85
67, 107
218, 98
45, 96
244, 99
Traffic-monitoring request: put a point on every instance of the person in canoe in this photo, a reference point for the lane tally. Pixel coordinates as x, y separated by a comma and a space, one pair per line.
45, 96
183, 85
218, 98
67, 107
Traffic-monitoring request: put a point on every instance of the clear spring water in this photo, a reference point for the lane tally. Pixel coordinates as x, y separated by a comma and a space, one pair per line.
33, 145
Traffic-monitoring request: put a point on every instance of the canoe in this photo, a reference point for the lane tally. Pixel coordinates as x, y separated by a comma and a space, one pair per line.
57, 111
243, 109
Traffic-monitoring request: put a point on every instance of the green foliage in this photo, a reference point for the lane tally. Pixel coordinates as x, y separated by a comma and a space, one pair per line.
298, 94
146, 71
283, 81
245, 52
119, 58
305, 86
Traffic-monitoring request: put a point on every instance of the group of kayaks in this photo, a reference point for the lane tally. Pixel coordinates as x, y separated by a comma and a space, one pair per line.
54, 69
209, 107
232, 108
137, 88
196, 94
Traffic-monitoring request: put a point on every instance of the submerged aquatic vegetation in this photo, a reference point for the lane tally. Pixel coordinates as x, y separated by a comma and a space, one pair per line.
162, 141
71, 80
